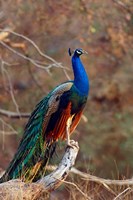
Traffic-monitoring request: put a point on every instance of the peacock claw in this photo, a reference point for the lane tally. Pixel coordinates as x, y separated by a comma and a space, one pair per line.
73, 144
69, 145
69, 121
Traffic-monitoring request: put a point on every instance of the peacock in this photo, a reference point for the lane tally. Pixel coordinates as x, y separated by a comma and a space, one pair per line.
55, 117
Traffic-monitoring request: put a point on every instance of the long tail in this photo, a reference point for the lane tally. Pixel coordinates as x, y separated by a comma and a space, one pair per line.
34, 168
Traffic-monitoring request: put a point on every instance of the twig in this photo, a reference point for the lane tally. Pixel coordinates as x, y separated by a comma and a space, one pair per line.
5, 73
89, 177
33, 44
8, 126
8, 132
73, 184
14, 114
122, 5
36, 63
3, 132
24, 57
102, 181
120, 195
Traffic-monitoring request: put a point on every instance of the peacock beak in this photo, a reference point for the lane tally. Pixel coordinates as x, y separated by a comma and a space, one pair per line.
84, 52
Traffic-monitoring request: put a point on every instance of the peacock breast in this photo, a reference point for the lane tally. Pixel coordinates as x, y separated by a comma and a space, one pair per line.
78, 100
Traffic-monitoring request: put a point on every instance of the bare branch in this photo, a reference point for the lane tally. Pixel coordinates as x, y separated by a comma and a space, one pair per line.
33, 44
78, 189
34, 62
14, 114
102, 181
89, 177
123, 6
23, 56
5, 73
123, 192
5, 125
12, 93
8, 132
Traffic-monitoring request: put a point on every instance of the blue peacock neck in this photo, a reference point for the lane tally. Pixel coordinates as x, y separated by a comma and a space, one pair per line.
81, 80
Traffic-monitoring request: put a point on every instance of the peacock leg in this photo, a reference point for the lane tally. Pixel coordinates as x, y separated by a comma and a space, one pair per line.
68, 124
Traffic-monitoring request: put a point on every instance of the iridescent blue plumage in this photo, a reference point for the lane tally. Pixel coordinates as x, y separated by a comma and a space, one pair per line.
48, 123
80, 76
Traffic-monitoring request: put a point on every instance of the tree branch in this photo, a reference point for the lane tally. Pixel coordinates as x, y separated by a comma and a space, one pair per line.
36, 63
11, 114
123, 6
102, 181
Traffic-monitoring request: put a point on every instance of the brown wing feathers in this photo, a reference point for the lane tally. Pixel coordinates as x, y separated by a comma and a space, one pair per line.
60, 124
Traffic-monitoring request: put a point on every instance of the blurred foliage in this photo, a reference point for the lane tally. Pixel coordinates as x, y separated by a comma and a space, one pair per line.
105, 30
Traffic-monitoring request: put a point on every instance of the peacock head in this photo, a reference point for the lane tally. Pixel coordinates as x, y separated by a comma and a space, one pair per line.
76, 52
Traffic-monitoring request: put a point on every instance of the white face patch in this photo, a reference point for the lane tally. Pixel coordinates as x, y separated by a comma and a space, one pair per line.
78, 52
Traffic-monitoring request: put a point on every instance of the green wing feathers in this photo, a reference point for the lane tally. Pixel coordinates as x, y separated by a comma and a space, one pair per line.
39, 139
31, 149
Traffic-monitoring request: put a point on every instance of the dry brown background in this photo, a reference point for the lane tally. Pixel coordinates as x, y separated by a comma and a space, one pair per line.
105, 30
